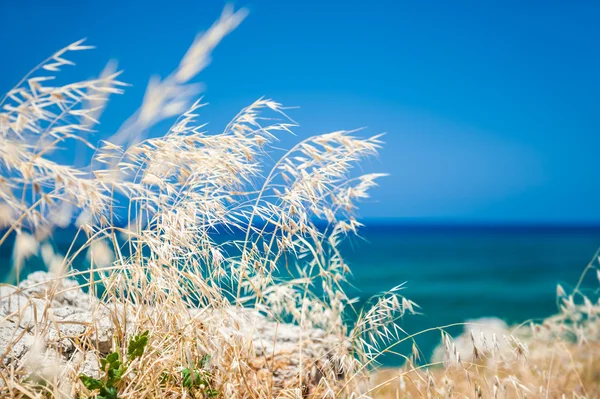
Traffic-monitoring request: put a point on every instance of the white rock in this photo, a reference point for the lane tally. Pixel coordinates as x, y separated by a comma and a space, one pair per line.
14, 341
71, 319
482, 331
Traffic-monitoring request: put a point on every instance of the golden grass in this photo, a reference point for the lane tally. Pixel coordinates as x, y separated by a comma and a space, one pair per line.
150, 211
558, 370
163, 271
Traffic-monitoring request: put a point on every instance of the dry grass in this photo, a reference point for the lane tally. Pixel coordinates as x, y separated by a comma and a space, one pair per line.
151, 209
558, 357
164, 271
564, 370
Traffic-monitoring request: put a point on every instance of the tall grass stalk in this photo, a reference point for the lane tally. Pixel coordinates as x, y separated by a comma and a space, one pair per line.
153, 213
152, 209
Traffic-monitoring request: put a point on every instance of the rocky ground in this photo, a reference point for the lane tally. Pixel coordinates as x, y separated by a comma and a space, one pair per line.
48, 324
37, 332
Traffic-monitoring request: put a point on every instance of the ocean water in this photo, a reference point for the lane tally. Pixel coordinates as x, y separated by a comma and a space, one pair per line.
456, 273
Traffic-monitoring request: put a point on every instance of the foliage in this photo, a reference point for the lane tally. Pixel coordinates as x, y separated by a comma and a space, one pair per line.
198, 378
136, 345
115, 369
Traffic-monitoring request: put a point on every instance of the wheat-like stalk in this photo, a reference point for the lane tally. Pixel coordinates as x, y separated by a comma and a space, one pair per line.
152, 211
204, 242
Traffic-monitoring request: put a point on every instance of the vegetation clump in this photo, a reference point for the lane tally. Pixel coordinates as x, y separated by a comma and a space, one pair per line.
151, 211
115, 369
210, 244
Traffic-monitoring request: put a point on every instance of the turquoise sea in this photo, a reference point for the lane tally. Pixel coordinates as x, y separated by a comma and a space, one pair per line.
456, 273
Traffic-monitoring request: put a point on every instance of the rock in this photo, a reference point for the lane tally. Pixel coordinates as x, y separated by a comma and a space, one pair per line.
482, 331
280, 348
64, 292
44, 362
64, 330
21, 309
58, 310
69, 320
87, 364
104, 329
14, 341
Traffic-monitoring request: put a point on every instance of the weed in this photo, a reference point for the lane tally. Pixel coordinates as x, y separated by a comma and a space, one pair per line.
115, 369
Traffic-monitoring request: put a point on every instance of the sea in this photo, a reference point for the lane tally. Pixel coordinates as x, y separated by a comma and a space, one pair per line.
457, 273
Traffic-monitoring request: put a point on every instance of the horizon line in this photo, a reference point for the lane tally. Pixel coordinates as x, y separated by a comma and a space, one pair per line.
435, 222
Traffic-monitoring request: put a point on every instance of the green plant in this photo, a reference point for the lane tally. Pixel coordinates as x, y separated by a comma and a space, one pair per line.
114, 368
40, 387
199, 378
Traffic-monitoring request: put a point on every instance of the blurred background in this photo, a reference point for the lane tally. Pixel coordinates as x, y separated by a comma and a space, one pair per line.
490, 110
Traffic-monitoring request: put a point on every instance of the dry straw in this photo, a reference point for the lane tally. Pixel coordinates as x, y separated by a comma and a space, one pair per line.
151, 213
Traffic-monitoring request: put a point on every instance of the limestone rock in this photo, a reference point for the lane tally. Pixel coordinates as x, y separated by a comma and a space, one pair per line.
14, 341
67, 320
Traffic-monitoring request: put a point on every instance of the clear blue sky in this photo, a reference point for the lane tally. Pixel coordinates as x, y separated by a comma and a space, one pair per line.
492, 109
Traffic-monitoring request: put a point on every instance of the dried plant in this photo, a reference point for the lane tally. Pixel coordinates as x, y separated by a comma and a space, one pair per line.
153, 213
556, 357
202, 247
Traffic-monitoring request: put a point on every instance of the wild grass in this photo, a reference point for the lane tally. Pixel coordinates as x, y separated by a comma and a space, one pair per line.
152, 212
556, 357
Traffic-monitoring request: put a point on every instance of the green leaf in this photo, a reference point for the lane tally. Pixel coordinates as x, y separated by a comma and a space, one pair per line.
115, 375
191, 378
108, 393
164, 378
186, 377
112, 357
112, 361
204, 361
114, 368
137, 345
90, 383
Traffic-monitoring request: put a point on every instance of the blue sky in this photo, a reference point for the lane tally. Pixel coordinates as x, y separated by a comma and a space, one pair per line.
492, 109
